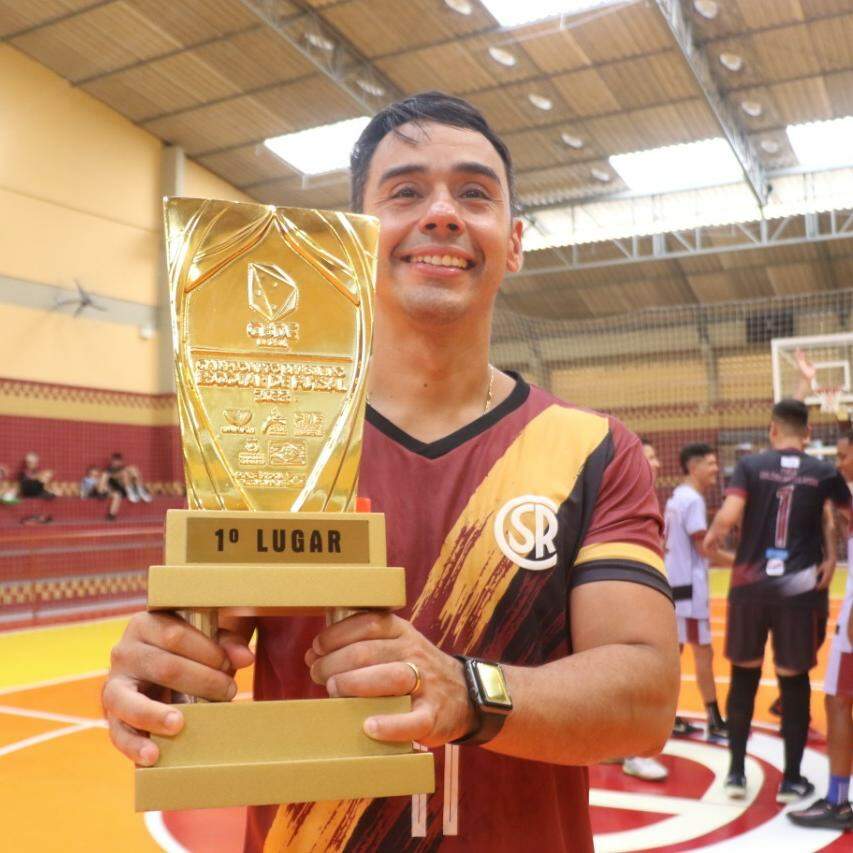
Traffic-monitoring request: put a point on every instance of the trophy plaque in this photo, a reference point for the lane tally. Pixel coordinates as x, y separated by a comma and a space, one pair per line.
272, 314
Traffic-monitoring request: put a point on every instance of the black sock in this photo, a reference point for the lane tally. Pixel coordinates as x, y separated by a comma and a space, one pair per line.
714, 716
796, 694
739, 708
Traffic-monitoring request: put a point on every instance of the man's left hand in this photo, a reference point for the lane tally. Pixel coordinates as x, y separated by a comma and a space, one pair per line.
367, 654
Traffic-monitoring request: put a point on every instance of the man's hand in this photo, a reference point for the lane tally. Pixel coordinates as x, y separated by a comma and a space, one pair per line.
159, 653
367, 654
825, 571
710, 544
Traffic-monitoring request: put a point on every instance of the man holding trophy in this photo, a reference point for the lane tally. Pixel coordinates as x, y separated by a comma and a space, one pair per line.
539, 634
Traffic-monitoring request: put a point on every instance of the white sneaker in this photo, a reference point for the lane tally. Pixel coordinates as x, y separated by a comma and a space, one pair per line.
645, 768
132, 493
144, 493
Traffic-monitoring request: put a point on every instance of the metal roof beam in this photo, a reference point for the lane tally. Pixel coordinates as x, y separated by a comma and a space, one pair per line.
681, 28
344, 65
832, 225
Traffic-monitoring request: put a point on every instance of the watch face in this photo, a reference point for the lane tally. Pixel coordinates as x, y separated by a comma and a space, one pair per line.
492, 684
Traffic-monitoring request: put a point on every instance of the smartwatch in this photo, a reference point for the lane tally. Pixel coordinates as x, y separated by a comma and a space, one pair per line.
490, 696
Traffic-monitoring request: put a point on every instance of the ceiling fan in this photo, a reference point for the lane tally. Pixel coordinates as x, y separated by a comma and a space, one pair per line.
82, 300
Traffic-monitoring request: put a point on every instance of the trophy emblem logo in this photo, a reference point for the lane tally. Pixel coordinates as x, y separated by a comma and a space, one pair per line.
272, 292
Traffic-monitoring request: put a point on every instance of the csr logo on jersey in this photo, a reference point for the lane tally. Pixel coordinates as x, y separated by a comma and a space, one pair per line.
525, 530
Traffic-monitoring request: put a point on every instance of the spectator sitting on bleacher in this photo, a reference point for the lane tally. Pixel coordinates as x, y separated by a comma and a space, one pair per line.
96, 484
33, 482
126, 480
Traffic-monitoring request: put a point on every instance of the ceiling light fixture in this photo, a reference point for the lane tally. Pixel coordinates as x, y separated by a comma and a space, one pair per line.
571, 140
707, 8
731, 61
540, 101
770, 146
601, 175
709, 162
320, 41
371, 87
502, 56
463, 7
319, 149
752, 108
514, 13
823, 144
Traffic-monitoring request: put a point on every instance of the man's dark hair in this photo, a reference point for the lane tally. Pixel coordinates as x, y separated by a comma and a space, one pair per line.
792, 416
696, 450
419, 109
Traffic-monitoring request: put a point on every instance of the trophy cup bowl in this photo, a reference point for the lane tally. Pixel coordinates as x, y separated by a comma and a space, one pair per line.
272, 312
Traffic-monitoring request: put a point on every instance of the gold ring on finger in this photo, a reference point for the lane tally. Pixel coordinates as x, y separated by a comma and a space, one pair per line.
417, 673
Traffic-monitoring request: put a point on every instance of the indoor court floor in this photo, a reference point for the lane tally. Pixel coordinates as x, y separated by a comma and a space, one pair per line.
65, 788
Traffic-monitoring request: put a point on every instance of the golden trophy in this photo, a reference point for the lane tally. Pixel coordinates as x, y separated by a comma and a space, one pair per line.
272, 313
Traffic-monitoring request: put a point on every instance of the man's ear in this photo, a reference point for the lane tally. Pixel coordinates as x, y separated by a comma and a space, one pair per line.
515, 255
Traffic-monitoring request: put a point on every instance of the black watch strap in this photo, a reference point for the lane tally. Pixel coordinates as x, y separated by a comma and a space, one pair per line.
492, 711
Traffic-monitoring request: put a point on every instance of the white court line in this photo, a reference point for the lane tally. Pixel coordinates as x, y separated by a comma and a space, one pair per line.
158, 831
37, 739
52, 682
56, 718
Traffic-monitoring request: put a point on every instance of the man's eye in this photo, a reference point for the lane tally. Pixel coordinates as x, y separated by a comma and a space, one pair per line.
404, 192
475, 192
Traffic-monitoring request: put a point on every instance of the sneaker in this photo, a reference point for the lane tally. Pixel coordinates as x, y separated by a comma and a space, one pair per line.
718, 734
790, 792
735, 786
132, 493
144, 493
821, 814
645, 768
684, 728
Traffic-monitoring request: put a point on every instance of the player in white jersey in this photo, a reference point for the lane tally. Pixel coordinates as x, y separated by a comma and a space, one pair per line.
833, 811
686, 522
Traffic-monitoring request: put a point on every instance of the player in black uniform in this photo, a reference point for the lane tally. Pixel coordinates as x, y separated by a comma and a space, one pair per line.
782, 569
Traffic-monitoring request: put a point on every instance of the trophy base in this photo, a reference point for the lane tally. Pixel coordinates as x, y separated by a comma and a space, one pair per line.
262, 753
272, 590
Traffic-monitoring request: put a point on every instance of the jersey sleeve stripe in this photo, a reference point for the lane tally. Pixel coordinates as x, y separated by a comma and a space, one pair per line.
620, 551
620, 570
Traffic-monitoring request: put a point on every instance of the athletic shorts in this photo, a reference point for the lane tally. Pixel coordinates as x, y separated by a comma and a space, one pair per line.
797, 633
697, 632
839, 667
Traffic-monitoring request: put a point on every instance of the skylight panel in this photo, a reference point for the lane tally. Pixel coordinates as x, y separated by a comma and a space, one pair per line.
514, 13
677, 167
319, 149
823, 144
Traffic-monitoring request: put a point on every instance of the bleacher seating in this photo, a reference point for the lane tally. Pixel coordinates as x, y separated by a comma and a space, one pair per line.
80, 565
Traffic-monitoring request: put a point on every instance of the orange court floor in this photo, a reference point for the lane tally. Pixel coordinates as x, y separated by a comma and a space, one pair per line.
65, 788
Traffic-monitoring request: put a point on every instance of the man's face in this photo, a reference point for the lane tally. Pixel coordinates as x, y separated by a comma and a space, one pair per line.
705, 470
447, 235
845, 459
652, 457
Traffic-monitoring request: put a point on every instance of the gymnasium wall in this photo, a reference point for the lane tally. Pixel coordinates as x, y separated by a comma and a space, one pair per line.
80, 199
80, 193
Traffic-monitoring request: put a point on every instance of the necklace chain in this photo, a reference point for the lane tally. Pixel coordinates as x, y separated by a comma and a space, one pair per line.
488, 393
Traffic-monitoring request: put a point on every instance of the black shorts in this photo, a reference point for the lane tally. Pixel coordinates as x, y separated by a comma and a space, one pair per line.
32, 488
797, 632
117, 486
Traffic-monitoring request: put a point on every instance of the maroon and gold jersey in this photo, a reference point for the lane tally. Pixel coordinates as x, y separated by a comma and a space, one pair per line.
494, 524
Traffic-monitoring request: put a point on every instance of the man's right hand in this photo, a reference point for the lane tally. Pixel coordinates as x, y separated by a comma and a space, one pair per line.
158, 653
